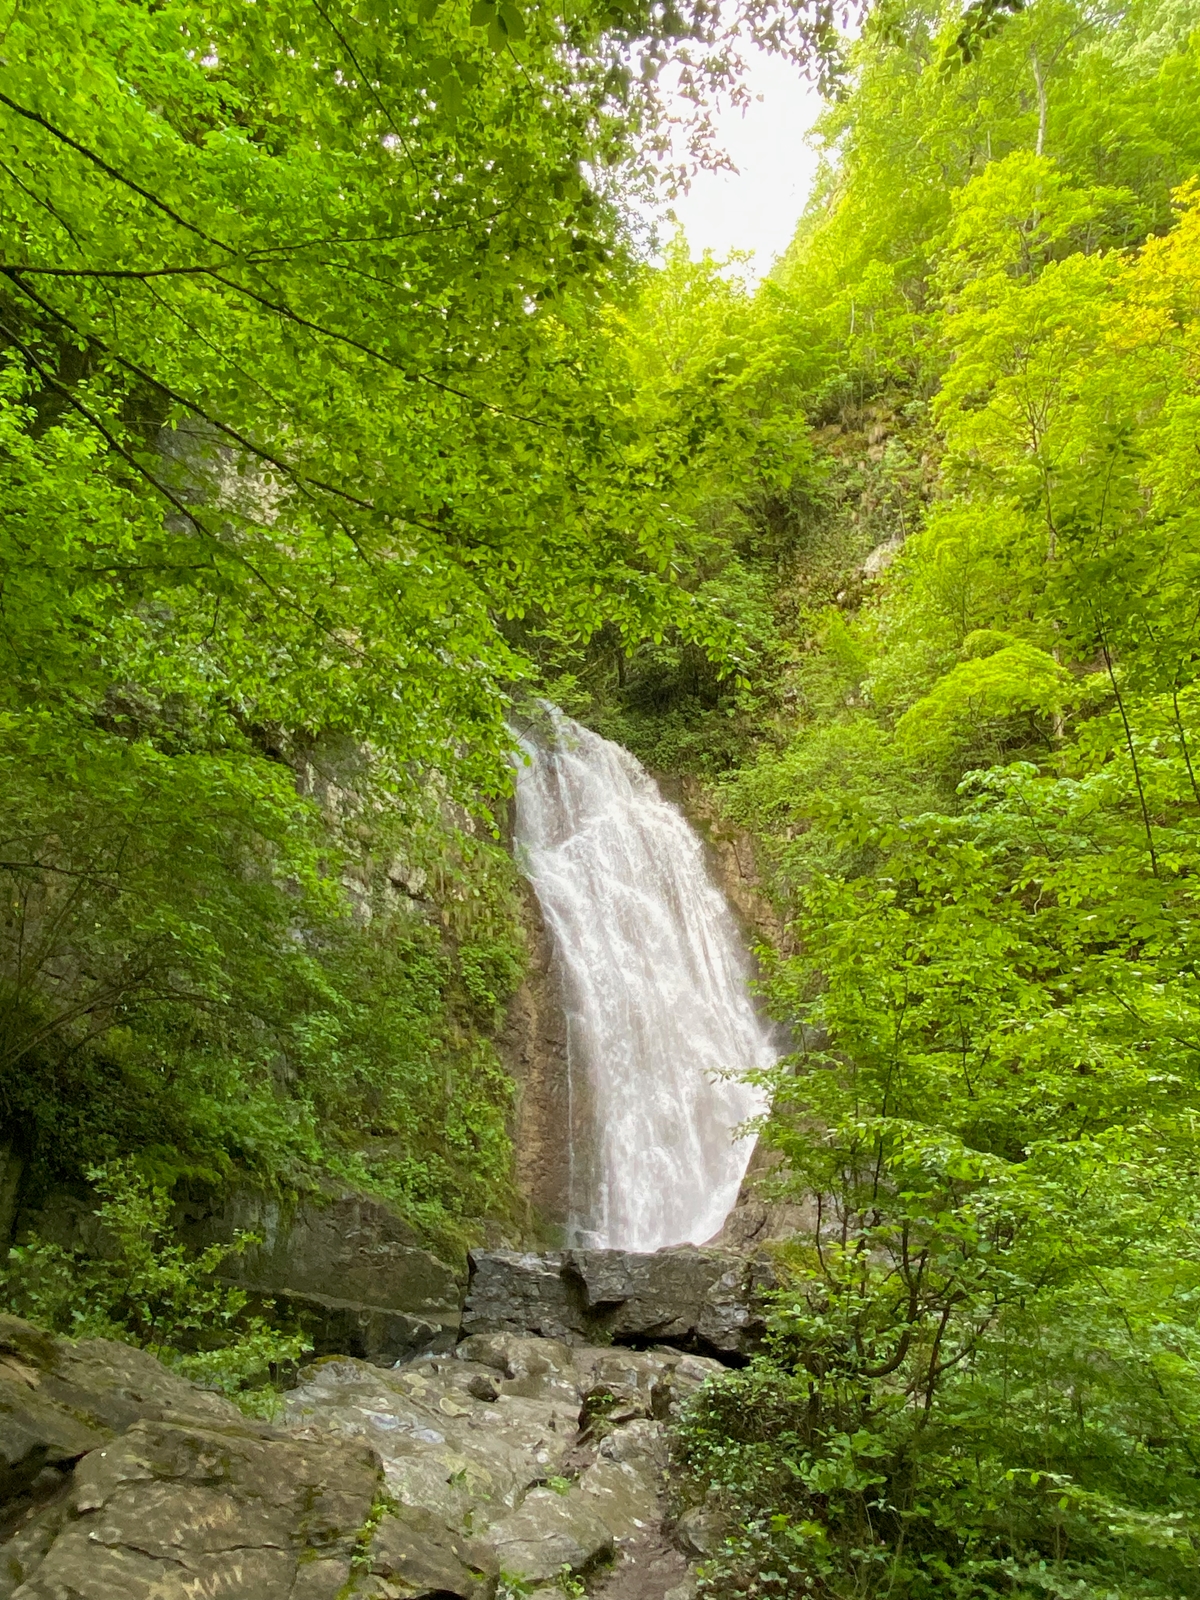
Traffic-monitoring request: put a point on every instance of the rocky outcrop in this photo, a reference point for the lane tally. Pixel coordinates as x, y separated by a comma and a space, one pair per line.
177, 1510
342, 1264
346, 1266
515, 1455
519, 1455
697, 1298
123, 1482
60, 1400
533, 1048
758, 1219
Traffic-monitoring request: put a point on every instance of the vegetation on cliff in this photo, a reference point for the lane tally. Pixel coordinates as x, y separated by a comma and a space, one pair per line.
336, 412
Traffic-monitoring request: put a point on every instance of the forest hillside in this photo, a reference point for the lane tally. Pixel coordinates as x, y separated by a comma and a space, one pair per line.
345, 413
963, 733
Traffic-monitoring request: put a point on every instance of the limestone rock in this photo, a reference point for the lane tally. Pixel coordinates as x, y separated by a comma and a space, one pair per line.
169, 1511
346, 1265
683, 1591
682, 1295
119, 1385
684, 1375
341, 1263
625, 1481
550, 1531
698, 1298
477, 1447
59, 1400
413, 1553
443, 1448
641, 1445
514, 1454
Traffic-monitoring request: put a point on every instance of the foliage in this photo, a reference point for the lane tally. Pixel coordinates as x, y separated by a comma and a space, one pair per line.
143, 1287
306, 398
974, 788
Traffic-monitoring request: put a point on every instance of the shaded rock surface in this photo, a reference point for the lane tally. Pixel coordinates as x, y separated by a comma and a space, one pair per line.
533, 1048
126, 1483
346, 1265
754, 1221
342, 1264
60, 1400
699, 1298
516, 1454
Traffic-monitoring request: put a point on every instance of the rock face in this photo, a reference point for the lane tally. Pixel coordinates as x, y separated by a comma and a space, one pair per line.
699, 1298
755, 1222
346, 1266
170, 1509
123, 1482
515, 1456
519, 1455
343, 1264
58, 1401
533, 1047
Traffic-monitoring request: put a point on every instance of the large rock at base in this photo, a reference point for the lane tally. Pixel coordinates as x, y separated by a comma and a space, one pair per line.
170, 1512
412, 1553
444, 1449
548, 1532
345, 1265
698, 1298
475, 1447
525, 1293
60, 1399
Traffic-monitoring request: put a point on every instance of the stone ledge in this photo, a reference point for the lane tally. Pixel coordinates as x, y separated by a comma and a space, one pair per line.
694, 1297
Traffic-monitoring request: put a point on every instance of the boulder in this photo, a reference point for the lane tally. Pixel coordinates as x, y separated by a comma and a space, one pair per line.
60, 1399
697, 1298
169, 1511
514, 1455
624, 1499
413, 1553
351, 1271
550, 1531
524, 1292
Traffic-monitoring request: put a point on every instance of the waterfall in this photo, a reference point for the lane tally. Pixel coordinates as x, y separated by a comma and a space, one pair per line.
654, 982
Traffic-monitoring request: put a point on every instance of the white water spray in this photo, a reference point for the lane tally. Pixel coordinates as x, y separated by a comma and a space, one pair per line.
654, 978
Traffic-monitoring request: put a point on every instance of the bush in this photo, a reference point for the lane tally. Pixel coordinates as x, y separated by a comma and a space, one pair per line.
145, 1289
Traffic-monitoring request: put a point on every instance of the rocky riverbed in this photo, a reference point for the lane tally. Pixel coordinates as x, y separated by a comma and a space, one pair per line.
512, 1460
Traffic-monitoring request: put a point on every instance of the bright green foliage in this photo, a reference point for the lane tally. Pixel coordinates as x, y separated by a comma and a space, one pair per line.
307, 397
725, 447
142, 1287
975, 792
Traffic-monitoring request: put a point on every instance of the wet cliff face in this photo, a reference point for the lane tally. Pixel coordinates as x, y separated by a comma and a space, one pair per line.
533, 1048
730, 854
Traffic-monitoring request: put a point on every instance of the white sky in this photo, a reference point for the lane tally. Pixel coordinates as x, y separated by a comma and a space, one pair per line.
757, 207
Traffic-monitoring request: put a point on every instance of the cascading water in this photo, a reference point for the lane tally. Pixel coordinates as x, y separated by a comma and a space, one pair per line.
654, 981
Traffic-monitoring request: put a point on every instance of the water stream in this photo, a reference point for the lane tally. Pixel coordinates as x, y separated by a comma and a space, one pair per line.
654, 980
